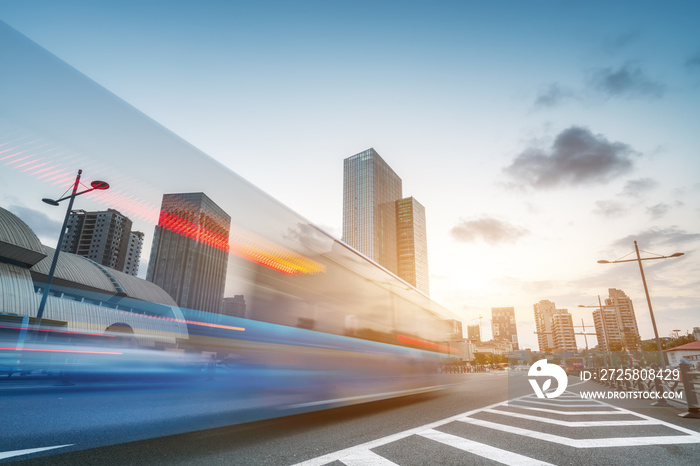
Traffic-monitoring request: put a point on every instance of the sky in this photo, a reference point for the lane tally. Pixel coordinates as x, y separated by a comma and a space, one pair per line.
540, 136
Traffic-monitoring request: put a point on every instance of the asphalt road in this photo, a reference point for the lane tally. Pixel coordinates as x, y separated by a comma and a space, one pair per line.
468, 423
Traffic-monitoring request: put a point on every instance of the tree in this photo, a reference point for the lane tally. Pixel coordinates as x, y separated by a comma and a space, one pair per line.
483, 358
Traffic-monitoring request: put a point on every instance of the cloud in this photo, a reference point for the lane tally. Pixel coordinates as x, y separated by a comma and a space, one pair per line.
610, 209
658, 211
621, 41
552, 96
627, 81
490, 230
635, 188
577, 156
693, 63
39, 222
653, 237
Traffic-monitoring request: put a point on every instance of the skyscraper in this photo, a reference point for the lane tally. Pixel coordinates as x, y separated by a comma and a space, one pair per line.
131, 265
555, 327
412, 243
104, 237
617, 328
234, 306
544, 310
474, 333
626, 317
190, 251
563, 330
370, 191
607, 329
503, 326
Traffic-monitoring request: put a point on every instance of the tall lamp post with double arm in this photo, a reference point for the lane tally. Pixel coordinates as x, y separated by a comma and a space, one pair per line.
605, 345
95, 185
639, 260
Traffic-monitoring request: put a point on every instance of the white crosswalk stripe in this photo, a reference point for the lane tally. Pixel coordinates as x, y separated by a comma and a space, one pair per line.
486, 451
501, 418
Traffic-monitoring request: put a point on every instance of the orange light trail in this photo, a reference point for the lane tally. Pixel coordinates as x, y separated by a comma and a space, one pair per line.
46, 162
204, 324
193, 230
423, 343
272, 255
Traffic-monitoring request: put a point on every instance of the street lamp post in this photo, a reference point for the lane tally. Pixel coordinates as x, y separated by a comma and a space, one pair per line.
639, 260
95, 185
606, 344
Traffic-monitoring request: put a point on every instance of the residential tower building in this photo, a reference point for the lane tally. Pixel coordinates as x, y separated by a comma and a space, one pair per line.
555, 327
104, 237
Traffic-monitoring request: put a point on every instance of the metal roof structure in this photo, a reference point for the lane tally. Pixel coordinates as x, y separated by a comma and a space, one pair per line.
18, 243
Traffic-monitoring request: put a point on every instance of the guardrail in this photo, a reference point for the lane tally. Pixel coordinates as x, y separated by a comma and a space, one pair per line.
460, 369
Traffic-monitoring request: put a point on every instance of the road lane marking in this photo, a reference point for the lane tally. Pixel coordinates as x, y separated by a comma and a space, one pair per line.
367, 458
480, 449
348, 455
566, 413
547, 403
340, 454
10, 454
587, 443
642, 422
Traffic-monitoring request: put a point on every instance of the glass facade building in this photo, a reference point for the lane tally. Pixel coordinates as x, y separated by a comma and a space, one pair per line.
370, 191
190, 251
412, 243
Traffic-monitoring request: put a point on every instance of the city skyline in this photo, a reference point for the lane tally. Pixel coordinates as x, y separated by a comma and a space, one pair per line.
380, 223
542, 144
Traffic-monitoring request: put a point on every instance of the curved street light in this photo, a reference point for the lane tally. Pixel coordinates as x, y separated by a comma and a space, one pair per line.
639, 260
95, 185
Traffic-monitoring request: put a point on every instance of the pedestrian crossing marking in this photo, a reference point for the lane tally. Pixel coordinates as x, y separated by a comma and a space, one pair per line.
642, 422
480, 449
362, 455
367, 458
587, 443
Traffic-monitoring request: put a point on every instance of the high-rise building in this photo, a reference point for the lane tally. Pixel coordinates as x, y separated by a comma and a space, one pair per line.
370, 191
544, 310
474, 333
503, 326
131, 265
563, 331
190, 251
235, 306
555, 327
104, 237
455, 329
618, 329
412, 245
626, 318
606, 328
